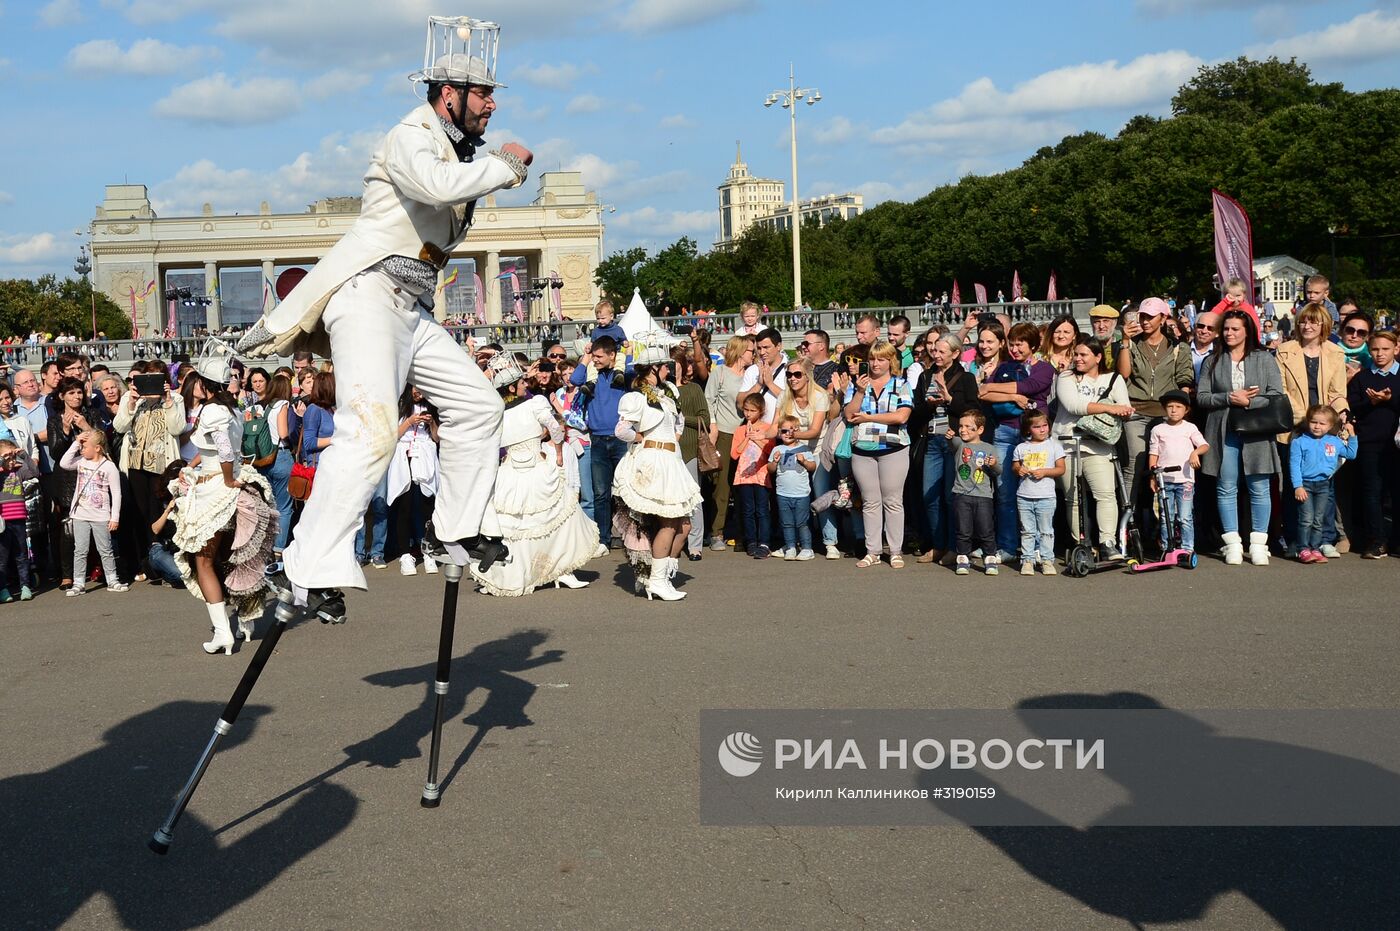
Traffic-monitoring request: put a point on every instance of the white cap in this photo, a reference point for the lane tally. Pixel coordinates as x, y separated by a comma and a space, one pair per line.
460, 50
458, 68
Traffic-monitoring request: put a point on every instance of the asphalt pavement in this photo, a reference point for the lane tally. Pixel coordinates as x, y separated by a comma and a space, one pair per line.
571, 752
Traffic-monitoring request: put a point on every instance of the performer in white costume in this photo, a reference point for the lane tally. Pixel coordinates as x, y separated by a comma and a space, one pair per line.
544, 527
225, 522
368, 304
652, 484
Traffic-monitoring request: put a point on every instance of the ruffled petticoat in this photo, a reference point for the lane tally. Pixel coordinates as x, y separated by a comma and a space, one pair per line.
205, 509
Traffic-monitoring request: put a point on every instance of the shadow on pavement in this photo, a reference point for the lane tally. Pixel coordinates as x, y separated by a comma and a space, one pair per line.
81, 828
1302, 877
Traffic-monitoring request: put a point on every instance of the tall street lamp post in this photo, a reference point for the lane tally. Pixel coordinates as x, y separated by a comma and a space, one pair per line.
789, 98
83, 266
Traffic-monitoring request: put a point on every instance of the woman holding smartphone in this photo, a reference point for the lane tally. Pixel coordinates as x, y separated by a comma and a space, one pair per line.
943, 392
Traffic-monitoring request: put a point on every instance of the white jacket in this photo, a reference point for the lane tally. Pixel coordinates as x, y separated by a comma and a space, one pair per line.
416, 194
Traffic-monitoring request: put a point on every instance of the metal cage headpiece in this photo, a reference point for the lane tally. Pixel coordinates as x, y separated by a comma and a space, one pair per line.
460, 50
504, 370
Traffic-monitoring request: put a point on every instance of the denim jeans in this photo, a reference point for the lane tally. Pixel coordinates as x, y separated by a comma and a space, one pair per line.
1037, 518
824, 480
1005, 439
163, 564
277, 476
1228, 489
753, 505
378, 516
1183, 499
1312, 514
795, 514
938, 488
605, 452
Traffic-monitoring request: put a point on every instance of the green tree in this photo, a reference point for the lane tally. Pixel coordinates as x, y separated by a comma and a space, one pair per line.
615, 277
49, 305
666, 271
1244, 91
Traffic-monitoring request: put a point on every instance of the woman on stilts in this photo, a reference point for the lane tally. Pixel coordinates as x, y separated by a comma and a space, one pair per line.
225, 523
543, 525
654, 492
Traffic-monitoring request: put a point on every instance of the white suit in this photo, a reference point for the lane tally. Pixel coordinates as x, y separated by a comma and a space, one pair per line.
417, 202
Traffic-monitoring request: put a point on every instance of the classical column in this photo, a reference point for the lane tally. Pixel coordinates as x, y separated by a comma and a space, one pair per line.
211, 290
493, 287
269, 269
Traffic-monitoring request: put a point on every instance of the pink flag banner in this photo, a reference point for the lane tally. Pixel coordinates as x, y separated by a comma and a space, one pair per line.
1015, 285
981, 291
478, 298
1051, 294
957, 293
1234, 242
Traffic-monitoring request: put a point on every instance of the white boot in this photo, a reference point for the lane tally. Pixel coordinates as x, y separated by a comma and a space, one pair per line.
223, 636
1232, 549
1259, 549
659, 585
568, 580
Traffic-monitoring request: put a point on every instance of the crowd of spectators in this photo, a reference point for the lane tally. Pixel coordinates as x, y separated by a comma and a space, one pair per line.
958, 446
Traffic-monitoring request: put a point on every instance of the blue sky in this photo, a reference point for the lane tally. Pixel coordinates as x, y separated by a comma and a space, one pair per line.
239, 101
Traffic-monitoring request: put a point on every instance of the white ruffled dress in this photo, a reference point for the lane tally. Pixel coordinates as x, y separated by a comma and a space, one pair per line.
547, 532
652, 479
204, 506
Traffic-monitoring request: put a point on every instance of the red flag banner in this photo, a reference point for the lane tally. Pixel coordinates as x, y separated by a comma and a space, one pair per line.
981, 291
1050, 293
957, 294
1015, 285
1234, 242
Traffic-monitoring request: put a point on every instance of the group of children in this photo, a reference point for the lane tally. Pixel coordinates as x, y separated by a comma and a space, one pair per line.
782, 462
94, 514
1175, 449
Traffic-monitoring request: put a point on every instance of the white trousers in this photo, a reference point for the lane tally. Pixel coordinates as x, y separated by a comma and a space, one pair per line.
381, 340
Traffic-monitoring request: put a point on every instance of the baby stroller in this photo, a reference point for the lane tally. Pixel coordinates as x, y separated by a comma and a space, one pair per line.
1166, 511
1082, 559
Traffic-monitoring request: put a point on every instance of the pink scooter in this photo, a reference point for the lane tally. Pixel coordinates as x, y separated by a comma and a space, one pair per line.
1175, 554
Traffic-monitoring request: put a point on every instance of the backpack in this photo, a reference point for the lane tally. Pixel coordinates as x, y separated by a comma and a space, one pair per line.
258, 442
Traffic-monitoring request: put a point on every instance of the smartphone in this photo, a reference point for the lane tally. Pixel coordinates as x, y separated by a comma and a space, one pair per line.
987, 318
863, 369
546, 366
150, 386
682, 329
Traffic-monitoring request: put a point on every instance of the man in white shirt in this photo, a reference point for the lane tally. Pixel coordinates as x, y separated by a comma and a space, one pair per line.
768, 375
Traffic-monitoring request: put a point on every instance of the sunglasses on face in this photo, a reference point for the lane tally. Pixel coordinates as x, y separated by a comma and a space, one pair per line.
554, 358
796, 375
1353, 331
787, 430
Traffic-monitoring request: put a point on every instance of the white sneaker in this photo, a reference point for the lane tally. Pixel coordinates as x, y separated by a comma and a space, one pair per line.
1027, 567
76, 590
601, 551
832, 552
407, 566
118, 587
790, 554
430, 566
805, 555
1330, 551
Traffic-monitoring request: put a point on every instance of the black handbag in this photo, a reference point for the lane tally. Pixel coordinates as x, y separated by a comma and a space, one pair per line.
1273, 418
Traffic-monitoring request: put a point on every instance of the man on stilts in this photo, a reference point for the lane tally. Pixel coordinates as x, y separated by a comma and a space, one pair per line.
368, 305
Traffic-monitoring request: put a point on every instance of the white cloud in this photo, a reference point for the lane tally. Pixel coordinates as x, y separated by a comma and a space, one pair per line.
1369, 35
560, 77
6, 198
1147, 79
61, 13
659, 15
984, 120
677, 121
337, 81
1177, 7
144, 57
216, 99
585, 103
834, 131
336, 167
649, 223
34, 249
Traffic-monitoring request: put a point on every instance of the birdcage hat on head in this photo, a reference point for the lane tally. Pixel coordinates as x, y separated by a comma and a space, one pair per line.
504, 370
215, 361
651, 348
459, 50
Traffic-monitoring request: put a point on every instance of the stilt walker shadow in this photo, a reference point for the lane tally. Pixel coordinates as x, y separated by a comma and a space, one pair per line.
432, 790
